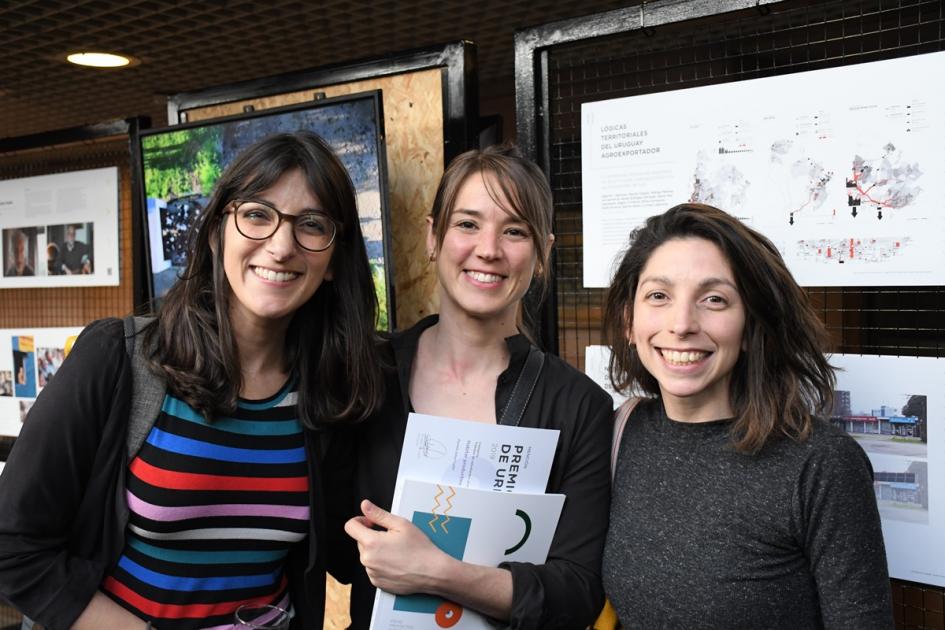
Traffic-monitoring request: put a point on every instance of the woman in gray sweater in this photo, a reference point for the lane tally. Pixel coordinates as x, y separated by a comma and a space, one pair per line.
734, 505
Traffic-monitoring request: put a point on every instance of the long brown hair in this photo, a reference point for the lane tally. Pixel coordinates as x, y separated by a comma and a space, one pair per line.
782, 377
521, 183
330, 341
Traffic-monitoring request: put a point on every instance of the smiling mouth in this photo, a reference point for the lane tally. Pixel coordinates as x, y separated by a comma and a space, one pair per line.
484, 277
688, 357
273, 275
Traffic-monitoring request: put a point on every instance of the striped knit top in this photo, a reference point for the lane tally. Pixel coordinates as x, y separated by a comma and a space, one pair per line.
214, 508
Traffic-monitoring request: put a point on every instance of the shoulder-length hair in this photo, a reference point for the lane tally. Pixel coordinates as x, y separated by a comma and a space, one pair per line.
515, 179
782, 377
330, 341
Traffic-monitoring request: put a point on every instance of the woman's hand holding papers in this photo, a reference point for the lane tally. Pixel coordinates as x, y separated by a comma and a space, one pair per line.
399, 559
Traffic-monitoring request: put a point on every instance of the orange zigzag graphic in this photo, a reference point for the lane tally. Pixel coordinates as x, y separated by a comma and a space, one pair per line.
436, 500
449, 504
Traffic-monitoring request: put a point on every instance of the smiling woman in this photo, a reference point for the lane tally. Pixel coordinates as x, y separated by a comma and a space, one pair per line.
265, 342
687, 327
489, 236
764, 515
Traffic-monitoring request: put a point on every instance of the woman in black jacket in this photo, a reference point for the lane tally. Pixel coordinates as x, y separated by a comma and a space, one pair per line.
267, 336
489, 237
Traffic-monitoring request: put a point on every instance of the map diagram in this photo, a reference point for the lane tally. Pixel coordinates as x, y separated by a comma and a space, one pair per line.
845, 181
802, 180
883, 183
718, 184
851, 250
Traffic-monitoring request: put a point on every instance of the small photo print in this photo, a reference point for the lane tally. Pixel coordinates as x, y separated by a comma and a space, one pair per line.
48, 361
902, 489
25, 406
24, 367
19, 252
884, 425
6, 383
69, 249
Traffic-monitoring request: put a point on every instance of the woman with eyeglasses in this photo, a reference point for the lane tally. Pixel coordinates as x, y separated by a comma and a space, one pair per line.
266, 340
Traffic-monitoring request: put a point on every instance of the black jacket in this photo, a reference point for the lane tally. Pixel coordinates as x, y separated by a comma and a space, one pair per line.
62, 492
566, 591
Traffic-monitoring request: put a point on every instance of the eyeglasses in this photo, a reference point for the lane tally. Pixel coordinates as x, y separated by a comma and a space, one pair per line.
257, 220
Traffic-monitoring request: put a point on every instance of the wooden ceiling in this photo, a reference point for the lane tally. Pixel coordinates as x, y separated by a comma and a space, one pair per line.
185, 46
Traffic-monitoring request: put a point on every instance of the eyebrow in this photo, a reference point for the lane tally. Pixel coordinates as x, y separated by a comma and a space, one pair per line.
703, 284
304, 211
478, 214
473, 213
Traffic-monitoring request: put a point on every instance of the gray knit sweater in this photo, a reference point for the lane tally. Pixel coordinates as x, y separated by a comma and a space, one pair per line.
703, 537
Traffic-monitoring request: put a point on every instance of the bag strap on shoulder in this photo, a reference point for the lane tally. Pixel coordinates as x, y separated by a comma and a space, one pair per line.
620, 422
524, 387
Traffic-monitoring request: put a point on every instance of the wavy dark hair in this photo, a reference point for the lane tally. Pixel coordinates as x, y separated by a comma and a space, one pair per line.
519, 181
782, 377
330, 342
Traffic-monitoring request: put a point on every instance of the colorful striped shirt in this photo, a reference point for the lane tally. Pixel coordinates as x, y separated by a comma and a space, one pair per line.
214, 508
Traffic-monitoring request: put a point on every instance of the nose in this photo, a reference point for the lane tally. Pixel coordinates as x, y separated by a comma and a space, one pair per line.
487, 244
281, 245
685, 320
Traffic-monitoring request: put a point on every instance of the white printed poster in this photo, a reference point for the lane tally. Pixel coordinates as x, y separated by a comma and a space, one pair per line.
477, 526
29, 359
476, 490
841, 168
596, 360
894, 407
60, 230
470, 454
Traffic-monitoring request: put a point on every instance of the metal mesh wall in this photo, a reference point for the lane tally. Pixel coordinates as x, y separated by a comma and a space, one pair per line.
795, 36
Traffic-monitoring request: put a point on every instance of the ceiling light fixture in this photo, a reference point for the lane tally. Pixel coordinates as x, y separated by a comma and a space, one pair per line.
100, 59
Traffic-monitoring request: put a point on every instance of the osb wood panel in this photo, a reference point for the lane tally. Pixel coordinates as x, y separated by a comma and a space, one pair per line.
413, 124
337, 597
74, 306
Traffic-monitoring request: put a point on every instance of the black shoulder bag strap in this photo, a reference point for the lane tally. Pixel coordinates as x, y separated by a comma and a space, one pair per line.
524, 387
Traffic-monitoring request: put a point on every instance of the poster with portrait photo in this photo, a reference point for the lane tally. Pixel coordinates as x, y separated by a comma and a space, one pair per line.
60, 230
29, 360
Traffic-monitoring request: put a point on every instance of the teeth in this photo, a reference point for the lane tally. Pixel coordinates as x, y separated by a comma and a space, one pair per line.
484, 277
682, 358
274, 276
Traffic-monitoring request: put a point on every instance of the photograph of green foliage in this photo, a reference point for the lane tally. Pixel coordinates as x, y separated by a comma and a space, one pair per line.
181, 165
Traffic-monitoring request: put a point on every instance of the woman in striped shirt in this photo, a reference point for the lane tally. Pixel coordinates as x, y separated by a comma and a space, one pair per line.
267, 337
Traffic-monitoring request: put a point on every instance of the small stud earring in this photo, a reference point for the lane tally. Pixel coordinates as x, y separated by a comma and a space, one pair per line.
432, 256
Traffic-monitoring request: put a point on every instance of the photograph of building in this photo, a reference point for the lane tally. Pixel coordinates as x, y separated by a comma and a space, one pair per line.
903, 495
888, 428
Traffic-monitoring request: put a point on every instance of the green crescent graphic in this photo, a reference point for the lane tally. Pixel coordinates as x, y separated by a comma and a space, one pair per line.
528, 530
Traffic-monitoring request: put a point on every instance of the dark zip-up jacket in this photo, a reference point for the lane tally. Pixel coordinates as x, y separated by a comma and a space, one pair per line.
62, 493
566, 591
